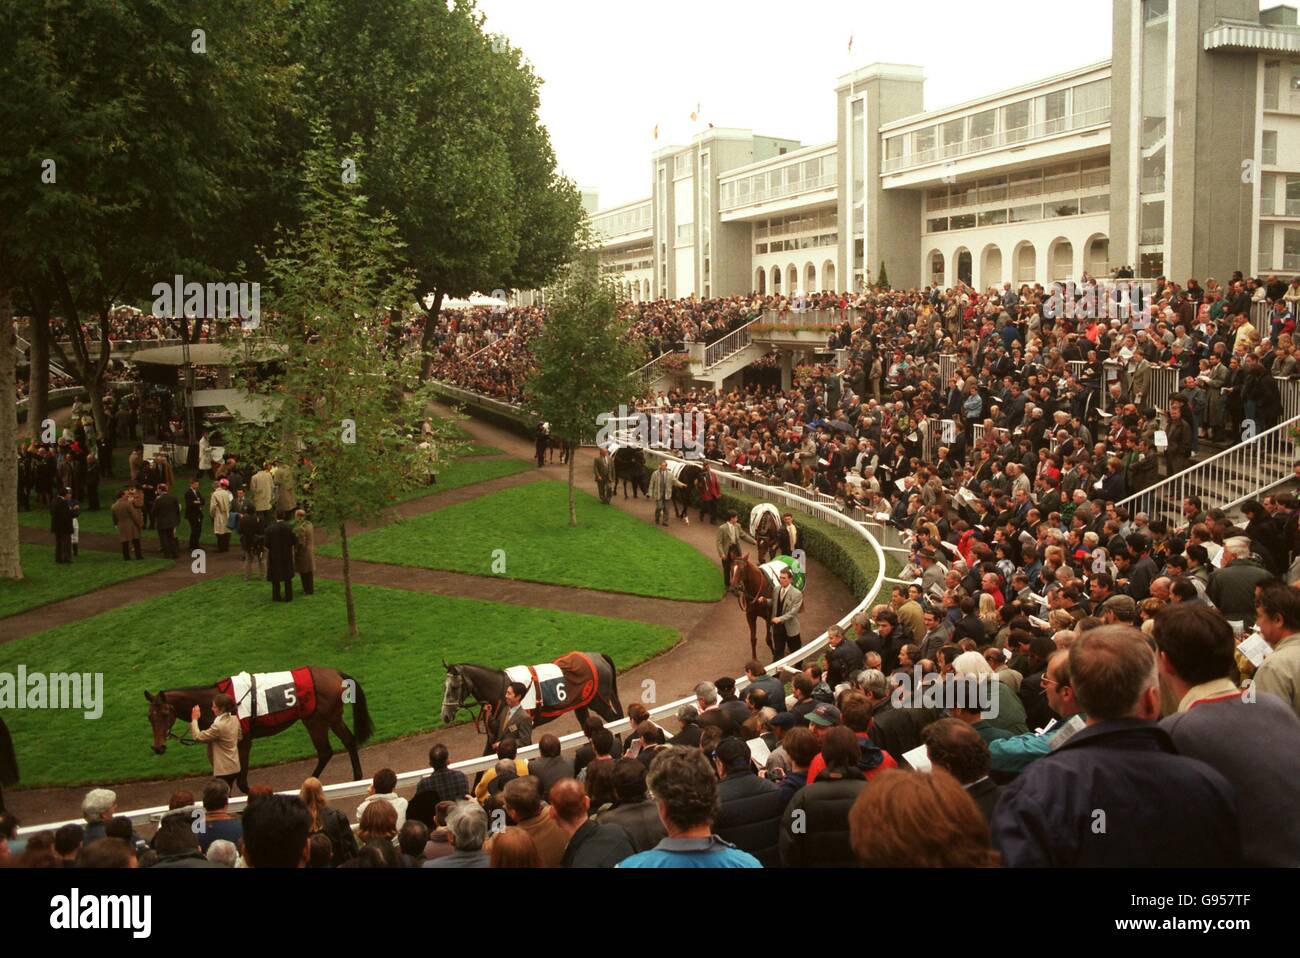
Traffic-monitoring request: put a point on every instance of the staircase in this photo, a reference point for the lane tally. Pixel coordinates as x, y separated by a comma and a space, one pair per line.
1226, 480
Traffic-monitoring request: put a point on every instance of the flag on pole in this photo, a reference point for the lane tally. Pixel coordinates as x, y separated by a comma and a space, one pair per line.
656, 131
696, 115
850, 43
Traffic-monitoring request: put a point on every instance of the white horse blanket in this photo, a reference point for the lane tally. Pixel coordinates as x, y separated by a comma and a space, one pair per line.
548, 677
756, 515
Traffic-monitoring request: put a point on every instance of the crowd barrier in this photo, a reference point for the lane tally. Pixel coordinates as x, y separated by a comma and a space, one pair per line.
785, 499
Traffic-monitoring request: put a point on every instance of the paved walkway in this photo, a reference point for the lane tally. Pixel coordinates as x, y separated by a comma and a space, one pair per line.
714, 635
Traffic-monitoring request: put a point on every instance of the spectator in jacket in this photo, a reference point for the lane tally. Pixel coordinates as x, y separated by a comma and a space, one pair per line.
218, 823
688, 718
633, 810
177, 844
915, 820
526, 812
1252, 743
686, 793
1232, 587
466, 831
590, 844
1279, 624
843, 658
383, 788
449, 784
1011, 755
957, 748
327, 822
550, 766
749, 814
815, 825
759, 679
1117, 793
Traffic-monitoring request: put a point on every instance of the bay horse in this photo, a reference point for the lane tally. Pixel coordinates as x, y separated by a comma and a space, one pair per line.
754, 593
8, 763
486, 686
170, 705
767, 537
629, 466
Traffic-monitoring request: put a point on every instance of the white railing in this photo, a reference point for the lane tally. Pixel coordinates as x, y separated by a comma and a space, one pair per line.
806, 318
787, 500
1015, 137
1228, 479
948, 363
651, 370
733, 342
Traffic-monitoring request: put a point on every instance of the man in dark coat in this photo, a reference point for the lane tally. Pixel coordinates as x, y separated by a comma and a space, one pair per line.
279, 559
750, 812
194, 512
1117, 793
61, 525
167, 519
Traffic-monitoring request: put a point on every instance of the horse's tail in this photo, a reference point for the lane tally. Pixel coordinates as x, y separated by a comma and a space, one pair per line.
362, 727
614, 702
8, 761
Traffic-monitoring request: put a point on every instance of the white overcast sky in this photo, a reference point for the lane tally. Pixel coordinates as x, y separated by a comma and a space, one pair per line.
612, 69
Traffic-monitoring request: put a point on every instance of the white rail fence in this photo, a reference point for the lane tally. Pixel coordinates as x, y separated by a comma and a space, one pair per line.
733, 342
784, 498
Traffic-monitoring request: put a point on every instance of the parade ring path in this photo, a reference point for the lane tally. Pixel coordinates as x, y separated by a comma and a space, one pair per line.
714, 637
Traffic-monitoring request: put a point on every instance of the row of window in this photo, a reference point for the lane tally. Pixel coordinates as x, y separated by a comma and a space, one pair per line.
1273, 85
1065, 178
797, 223
628, 221
1289, 261
1270, 204
1020, 214
817, 173
802, 242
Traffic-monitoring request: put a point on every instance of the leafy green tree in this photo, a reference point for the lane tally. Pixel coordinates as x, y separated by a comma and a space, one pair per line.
883, 279
584, 356
345, 407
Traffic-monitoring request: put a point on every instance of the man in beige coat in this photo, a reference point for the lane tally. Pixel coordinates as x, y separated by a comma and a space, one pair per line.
222, 737
286, 499
129, 521
261, 489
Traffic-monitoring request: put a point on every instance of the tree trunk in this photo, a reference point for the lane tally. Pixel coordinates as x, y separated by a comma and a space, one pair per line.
38, 393
98, 411
11, 566
426, 339
347, 580
573, 509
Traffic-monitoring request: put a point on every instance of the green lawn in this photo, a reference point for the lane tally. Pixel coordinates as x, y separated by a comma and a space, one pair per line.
44, 581
609, 550
466, 472
397, 659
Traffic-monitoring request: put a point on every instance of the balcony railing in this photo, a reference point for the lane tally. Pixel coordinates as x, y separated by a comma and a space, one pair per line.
1002, 138
735, 201
1152, 237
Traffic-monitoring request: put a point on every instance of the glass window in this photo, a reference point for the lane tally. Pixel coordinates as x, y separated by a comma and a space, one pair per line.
1272, 80
1291, 249
963, 194
1095, 204
1070, 208
961, 222
954, 134
1025, 214
1266, 246
1154, 10
936, 225
993, 217
1015, 116
1270, 147
1025, 184
936, 199
982, 126
1293, 196
1091, 100
894, 148
1053, 108
993, 190
923, 144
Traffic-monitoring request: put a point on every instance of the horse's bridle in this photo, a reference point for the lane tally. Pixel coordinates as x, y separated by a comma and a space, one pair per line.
462, 705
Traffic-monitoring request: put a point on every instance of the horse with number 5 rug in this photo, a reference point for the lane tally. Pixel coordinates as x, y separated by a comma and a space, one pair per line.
576, 682
266, 704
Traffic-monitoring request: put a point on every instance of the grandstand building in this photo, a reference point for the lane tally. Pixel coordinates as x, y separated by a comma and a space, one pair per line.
1179, 156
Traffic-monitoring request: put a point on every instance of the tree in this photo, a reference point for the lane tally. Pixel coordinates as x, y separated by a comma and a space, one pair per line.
451, 144
584, 356
345, 406
882, 280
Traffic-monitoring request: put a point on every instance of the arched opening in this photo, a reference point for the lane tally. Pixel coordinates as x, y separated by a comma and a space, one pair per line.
791, 280
776, 280
936, 268
828, 276
1026, 263
1060, 260
809, 278
991, 267
1097, 257
964, 266
760, 281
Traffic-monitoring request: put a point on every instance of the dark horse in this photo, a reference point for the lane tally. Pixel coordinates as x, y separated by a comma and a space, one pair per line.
754, 593
690, 478
629, 466
332, 687
767, 537
486, 685
8, 763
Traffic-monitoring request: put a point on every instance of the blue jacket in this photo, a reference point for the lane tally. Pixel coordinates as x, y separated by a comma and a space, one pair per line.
711, 852
1117, 794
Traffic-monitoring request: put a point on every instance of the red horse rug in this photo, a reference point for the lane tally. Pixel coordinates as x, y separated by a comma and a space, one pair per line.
556, 687
271, 699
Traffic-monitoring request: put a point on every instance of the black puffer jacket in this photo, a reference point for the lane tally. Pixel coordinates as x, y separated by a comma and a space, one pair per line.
815, 827
750, 815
